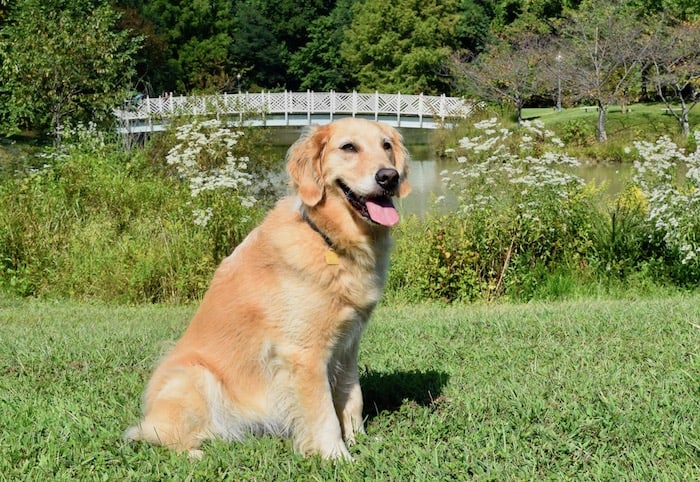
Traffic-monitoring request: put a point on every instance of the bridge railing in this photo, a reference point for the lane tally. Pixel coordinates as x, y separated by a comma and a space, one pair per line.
295, 103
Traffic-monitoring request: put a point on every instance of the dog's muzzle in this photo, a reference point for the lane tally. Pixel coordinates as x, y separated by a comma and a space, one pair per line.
377, 208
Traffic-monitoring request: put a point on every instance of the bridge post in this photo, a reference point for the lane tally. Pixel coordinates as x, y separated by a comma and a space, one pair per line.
308, 106
442, 108
148, 111
376, 105
332, 103
286, 108
354, 103
420, 109
398, 109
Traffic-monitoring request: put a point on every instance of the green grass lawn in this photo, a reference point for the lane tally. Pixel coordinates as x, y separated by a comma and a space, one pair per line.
639, 121
589, 390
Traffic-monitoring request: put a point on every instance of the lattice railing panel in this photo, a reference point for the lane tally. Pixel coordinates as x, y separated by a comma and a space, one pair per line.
296, 103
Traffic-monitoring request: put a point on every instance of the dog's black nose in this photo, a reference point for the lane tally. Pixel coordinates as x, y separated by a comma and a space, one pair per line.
388, 179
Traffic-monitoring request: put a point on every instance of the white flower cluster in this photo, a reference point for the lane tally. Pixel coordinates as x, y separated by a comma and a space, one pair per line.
202, 216
674, 208
497, 158
76, 138
204, 160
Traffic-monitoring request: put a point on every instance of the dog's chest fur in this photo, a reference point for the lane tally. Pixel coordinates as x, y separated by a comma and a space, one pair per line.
304, 297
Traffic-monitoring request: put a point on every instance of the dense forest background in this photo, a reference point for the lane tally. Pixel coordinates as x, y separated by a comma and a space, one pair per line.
73, 59
338, 45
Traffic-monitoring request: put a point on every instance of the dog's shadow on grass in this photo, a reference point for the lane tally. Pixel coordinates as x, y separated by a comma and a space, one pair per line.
389, 391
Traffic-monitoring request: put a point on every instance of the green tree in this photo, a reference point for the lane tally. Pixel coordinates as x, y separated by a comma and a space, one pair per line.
208, 44
604, 49
684, 10
318, 65
199, 36
507, 12
271, 32
402, 45
153, 56
61, 61
259, 55
3, 8
507, 72
473, 25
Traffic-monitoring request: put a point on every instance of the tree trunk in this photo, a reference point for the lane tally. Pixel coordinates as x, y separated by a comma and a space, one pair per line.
602, 135
685, 124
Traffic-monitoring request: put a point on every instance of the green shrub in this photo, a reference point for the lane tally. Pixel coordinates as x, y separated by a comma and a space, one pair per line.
100, 222
434, 259
621, 236
578, 133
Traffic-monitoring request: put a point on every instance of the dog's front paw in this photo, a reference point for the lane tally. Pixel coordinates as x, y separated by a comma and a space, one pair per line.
337, 452
350, 436
330, 450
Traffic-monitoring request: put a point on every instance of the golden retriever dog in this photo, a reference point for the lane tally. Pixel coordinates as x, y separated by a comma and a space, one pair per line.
273, 346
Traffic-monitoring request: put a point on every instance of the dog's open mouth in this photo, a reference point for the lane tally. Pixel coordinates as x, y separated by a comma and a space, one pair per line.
379, 209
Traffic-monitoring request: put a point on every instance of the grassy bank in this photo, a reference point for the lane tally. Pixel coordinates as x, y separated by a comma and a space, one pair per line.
577, 127
591, 390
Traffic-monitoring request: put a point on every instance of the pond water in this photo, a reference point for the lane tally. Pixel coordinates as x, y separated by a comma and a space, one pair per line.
426, 180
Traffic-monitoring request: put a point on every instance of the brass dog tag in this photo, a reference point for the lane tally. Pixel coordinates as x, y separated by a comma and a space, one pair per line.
332, 257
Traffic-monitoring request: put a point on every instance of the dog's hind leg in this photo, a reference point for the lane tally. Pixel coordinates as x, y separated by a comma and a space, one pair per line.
177, 410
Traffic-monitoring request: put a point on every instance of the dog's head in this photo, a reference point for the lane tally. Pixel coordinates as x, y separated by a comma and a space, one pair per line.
363, 161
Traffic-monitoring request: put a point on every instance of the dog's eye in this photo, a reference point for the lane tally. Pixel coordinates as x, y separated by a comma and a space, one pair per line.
349, 147
387, 146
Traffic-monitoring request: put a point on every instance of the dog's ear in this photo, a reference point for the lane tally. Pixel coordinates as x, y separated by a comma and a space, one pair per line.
304, 165
401, 158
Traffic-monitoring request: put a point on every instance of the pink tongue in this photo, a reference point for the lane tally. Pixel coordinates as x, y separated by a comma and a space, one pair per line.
382, 211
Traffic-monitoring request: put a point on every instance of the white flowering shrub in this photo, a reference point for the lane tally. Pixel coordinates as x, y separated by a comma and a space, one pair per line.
221, 185
203, 157
497, 167
520, 211
673, 202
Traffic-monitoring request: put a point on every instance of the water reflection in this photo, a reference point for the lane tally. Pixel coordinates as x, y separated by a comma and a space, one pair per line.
427, 184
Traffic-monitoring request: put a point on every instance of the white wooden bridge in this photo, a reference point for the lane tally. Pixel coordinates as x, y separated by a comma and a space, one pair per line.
293, 109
